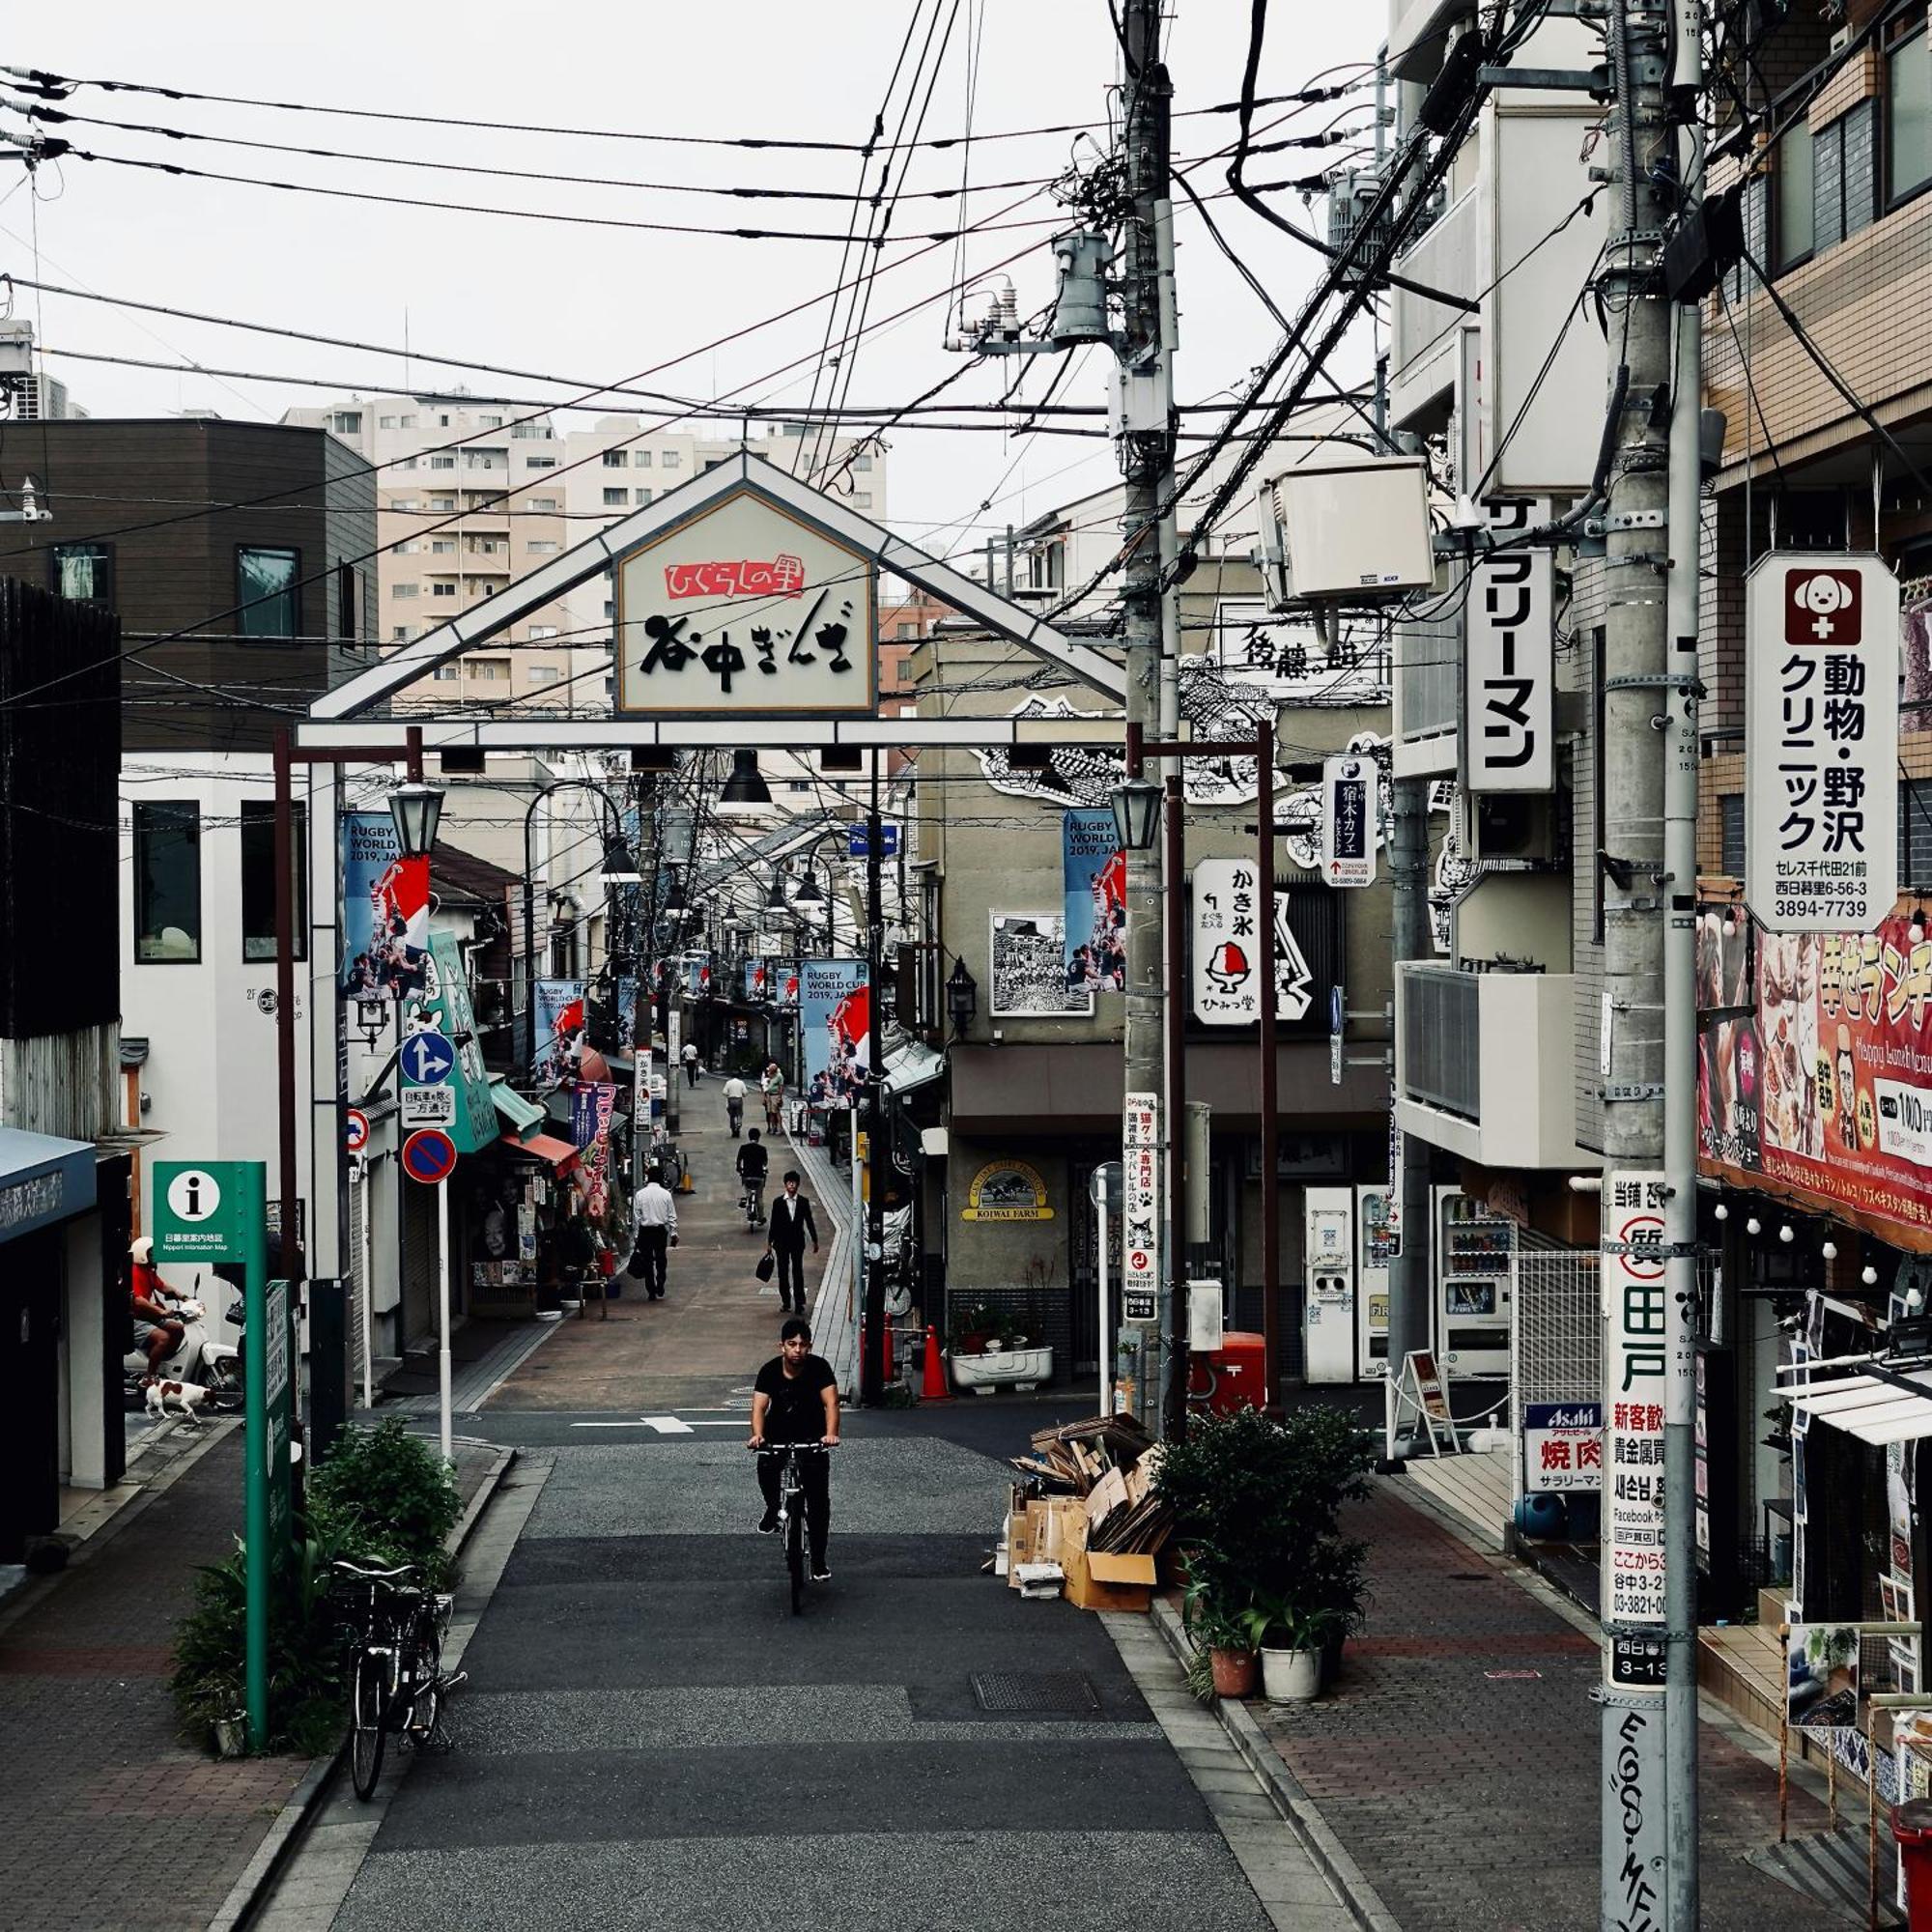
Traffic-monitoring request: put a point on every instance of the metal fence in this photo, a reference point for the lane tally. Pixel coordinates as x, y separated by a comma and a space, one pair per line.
1441, 1038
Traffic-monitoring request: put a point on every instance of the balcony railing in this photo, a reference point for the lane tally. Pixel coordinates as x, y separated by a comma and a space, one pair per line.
1442, 1038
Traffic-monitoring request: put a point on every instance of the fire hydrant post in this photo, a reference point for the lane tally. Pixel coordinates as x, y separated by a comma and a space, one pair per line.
1911, 1827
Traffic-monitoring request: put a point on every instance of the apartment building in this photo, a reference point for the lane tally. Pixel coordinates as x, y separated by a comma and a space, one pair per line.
472, 493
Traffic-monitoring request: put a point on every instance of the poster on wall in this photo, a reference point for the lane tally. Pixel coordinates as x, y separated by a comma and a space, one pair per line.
1093, 870
758, 979
835, 1017
1822, 1080
560, 1022
1030, 976
384, 911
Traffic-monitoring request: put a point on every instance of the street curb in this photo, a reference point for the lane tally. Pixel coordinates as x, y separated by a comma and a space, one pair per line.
1297, 1809
272, 1855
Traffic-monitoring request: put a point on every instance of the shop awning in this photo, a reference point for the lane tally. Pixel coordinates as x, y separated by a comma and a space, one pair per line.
559, 1155
42, 1180
1878, 1406
910, 1065
520, 1113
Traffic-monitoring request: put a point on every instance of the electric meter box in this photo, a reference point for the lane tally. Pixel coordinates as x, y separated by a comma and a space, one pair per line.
1206, 1315
1352, 531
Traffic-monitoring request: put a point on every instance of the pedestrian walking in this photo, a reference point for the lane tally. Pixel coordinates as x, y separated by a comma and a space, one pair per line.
735, 1105
690, 1063
654, 1226
791, 1226
772, 1084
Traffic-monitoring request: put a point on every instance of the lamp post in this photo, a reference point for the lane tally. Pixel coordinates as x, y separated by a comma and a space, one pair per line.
962, 998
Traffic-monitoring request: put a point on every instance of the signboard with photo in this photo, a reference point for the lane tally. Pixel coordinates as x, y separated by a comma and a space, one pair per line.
384, 911
1094, 874
1821, 742
561, 1021
743, 611
1031, 977
835, 1016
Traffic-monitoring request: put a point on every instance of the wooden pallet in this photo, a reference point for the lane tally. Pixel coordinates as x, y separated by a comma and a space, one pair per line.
1475, 1488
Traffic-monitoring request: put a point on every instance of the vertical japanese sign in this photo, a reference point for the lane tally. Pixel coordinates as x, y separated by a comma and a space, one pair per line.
1349, 789
1821, 742
745, 609
591, 1104
1140, 1219
560, 1023
1509, 734
1227, 948
384, 911
835, 1015
1094, 884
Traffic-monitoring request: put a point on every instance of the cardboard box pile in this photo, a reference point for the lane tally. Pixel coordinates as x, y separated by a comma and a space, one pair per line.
1083, 1521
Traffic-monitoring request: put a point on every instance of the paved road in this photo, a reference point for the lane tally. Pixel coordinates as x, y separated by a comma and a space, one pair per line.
650, 1740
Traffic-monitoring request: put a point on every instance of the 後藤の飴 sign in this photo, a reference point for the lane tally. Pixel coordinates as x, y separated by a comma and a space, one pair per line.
743, 610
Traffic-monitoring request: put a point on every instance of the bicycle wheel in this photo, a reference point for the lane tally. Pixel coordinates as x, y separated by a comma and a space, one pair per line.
795, 1549
368, 1707
427, 1710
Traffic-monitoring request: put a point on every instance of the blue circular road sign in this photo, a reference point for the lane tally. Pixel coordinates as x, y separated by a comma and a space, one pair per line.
428, 1060
429, 1155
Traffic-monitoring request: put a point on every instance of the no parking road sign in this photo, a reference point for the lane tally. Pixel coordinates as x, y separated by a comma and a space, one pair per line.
428, 1157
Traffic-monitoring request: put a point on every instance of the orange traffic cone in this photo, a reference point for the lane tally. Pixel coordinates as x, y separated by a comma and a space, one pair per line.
933, 1388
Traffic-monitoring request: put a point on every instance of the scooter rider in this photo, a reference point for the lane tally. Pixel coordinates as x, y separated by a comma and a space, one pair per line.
159, 1330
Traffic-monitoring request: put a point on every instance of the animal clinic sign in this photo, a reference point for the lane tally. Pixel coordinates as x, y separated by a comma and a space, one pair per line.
745, 610
1821, 742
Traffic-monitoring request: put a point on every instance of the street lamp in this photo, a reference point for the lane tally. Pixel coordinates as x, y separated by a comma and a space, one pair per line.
1136, 803
416, 809
962, 997
745, 786
775, 898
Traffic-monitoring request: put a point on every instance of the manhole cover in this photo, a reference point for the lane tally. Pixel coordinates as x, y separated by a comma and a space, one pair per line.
1060, 1692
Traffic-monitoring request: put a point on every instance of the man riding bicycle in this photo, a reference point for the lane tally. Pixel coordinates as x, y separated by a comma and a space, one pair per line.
795, 1399
753, 1165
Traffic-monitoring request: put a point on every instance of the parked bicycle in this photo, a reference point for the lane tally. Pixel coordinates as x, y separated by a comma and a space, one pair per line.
792, 1509
396, 1681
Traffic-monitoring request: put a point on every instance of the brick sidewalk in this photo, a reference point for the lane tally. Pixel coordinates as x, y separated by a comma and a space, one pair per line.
1471, 1800
113, 1820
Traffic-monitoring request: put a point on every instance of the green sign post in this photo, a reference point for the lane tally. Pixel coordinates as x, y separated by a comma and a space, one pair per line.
216, 1212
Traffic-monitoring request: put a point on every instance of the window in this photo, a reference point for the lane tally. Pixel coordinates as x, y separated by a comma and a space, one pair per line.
404, 462
1793, 214
347, 597
640, 496
386, 422
543, 631
258, 881
442, 422
613, 497
541, 546
1908, 129
616, 459
405, 422
1915, 832
442, 502
861, 500
167, 883
609, 608
449, 674
491, 422
798, 784
542, 673
408, 549
85, 572
1731, 833
671, 458
862, 463
905, 631
346, 422
539, 462
402, 590
265, 587
444, 589
405, 504
442, 546
443, 461
531, 432
543, 502
490, 670
641, 458
905, 670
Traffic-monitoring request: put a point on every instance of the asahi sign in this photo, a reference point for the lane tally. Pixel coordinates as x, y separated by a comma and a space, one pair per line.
1510, 732
744, 610
1821, 742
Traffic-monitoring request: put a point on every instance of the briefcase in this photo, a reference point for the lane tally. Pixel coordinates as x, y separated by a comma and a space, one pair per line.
766, 1265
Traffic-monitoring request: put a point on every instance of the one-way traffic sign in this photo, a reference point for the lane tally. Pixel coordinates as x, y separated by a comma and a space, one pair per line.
427, 1059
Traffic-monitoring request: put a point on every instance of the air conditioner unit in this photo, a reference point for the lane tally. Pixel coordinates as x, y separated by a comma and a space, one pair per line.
1354, 532
1272, 552
1511, 828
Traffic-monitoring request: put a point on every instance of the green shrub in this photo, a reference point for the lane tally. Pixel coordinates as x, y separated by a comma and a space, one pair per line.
382, 1498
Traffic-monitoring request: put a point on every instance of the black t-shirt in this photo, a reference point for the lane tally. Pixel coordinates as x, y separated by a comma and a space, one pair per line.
797, 1413
753, 1160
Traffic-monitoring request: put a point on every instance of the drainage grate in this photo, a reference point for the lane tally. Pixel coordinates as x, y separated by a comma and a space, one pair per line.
1058, 1692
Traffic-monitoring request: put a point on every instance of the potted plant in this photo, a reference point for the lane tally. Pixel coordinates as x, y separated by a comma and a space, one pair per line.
1293, 1638
1221, 1638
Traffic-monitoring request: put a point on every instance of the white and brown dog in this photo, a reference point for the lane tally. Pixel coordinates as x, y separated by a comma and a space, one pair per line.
183, 1398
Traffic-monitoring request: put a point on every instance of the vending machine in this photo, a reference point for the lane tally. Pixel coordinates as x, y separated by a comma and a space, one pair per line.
1375, 1244
1328, 1268
1475, 1272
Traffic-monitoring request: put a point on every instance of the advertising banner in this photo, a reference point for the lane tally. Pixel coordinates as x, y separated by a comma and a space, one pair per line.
785, 976
560, 1023
591, 1104
1140, 1216
1562, 1445
1031, 979
835, 1014
1093, 870
758, 978
1350, 790
697, 974
384, 911
1821, 742
1815, 1066
1227, 953
1509, 734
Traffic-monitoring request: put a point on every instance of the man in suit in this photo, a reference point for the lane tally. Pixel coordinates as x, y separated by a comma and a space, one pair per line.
791, 1227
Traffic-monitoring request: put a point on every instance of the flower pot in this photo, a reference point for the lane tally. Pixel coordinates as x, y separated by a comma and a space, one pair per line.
1291, 1676
1002, 1368
231, 1736
1234, 1672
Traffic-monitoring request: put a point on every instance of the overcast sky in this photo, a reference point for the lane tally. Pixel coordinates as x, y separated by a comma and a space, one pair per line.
602, 304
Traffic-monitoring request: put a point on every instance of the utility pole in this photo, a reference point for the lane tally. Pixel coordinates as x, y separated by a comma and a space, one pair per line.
1146, 459
871, 1367
1408, 1320
1649, 1835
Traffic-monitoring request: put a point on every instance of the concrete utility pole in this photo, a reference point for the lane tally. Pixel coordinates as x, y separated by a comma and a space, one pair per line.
1649, 724
1408, 1322
871, 1369
1147, 459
